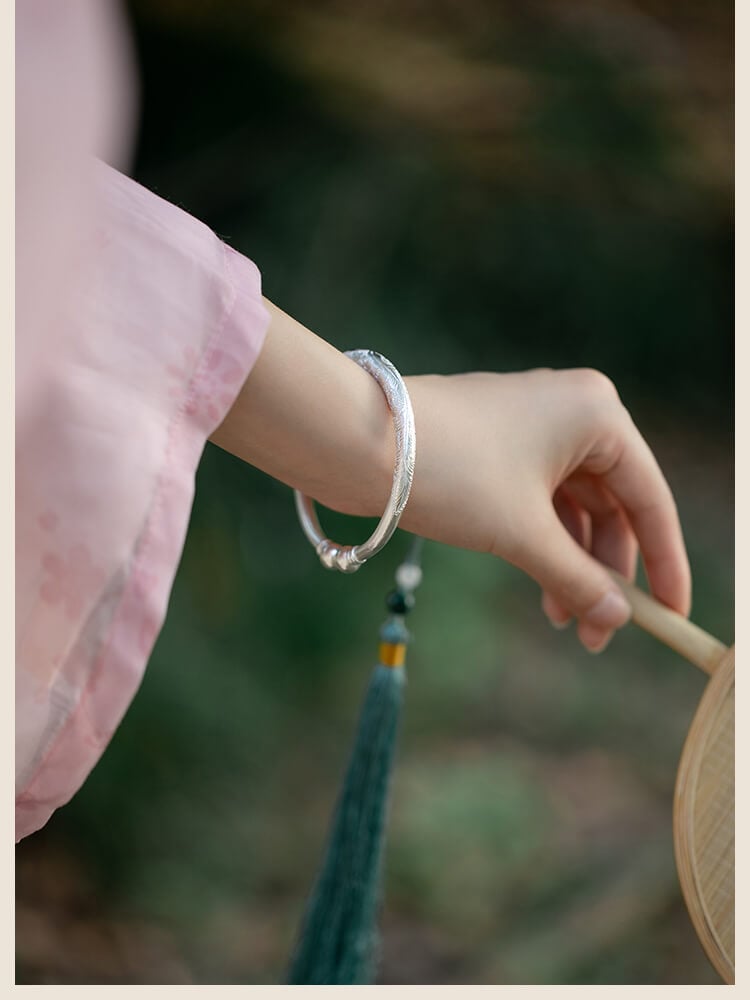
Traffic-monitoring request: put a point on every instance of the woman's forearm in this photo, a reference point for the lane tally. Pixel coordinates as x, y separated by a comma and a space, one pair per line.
313, 419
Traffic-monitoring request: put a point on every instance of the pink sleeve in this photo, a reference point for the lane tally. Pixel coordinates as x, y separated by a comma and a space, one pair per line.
115, 411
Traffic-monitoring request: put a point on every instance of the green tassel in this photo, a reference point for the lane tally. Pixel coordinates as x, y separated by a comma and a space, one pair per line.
338, 941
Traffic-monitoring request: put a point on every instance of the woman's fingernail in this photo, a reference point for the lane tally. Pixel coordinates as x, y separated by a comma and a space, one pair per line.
593, 638
610, 611
559, 625
557, 615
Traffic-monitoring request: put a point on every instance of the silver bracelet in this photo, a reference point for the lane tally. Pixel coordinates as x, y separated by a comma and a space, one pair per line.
349, 558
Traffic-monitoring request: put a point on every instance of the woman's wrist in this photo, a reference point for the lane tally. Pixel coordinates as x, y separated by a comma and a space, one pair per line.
313, 419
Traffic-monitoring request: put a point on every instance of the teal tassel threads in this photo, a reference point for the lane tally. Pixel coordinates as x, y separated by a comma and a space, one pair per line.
338, 940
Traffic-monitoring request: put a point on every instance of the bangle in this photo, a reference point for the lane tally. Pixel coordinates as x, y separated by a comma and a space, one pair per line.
349, 558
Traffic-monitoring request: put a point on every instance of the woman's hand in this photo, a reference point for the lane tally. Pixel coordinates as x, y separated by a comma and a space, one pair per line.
547, 470
542, 468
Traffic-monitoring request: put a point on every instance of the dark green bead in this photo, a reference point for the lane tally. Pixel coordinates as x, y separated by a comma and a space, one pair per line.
399, 603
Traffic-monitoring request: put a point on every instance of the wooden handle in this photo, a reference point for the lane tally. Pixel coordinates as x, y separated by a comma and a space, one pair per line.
681, 635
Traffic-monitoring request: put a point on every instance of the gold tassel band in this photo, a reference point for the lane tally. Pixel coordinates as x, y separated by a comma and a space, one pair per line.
392, 654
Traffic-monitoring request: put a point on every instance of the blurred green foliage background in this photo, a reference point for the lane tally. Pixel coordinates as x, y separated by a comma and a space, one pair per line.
461, 185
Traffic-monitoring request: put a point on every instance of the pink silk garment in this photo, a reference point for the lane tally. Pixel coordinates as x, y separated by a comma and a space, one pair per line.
136, 327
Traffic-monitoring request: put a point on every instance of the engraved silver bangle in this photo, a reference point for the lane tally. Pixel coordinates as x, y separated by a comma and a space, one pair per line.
349, 558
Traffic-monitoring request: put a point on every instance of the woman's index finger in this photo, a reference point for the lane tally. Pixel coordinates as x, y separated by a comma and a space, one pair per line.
638, 483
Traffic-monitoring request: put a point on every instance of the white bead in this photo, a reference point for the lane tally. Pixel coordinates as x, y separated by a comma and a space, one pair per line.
408, 576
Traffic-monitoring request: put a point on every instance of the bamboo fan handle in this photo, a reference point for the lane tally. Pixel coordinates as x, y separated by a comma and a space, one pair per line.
681, 635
